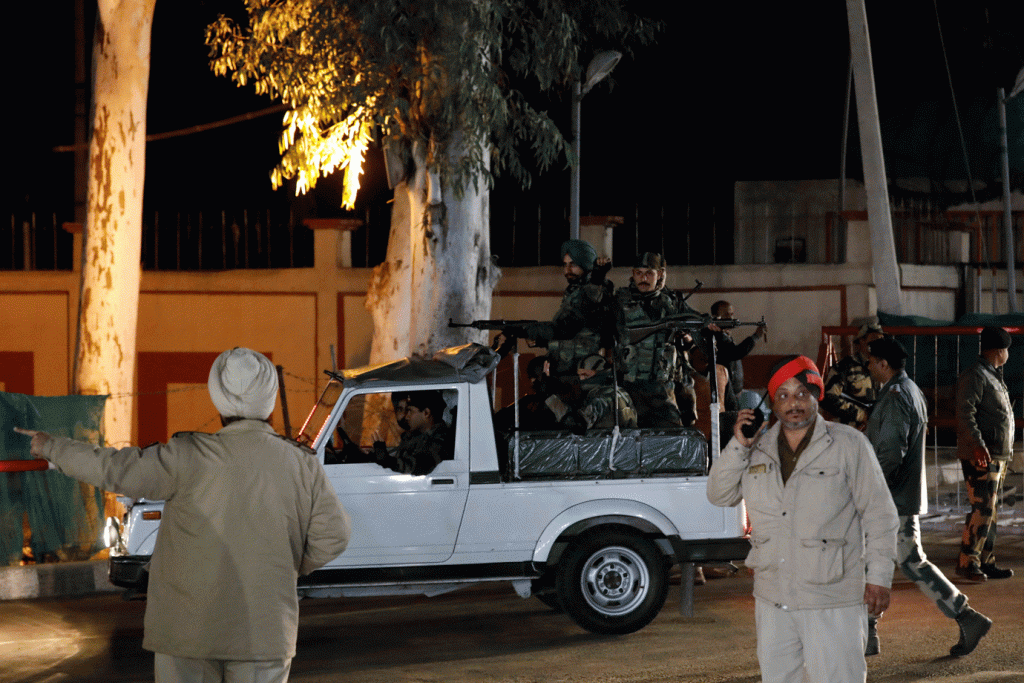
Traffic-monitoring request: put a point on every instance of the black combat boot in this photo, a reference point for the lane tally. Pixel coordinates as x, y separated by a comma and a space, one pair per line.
993, 572
973, 627
873, 646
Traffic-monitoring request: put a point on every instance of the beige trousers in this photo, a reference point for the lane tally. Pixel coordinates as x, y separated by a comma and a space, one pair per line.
170, 669
827, 643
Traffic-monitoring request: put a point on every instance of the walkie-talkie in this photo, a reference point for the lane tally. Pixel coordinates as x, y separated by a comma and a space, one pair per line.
750, 429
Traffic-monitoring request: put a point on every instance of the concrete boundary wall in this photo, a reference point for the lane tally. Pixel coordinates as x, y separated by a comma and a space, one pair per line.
297, 315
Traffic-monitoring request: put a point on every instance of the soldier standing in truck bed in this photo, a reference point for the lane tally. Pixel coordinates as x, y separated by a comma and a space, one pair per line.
648, 368
584, 323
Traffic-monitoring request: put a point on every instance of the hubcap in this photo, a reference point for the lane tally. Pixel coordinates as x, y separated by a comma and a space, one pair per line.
615, 580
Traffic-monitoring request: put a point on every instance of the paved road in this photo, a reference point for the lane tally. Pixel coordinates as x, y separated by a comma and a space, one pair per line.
489, 634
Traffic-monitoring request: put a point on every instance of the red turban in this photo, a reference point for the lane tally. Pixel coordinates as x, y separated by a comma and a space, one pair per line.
801, 367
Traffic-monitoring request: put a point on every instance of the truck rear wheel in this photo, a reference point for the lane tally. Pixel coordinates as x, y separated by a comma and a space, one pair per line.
613, 583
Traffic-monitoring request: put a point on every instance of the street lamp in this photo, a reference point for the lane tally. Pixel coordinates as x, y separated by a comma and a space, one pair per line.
598, 69
1004, 153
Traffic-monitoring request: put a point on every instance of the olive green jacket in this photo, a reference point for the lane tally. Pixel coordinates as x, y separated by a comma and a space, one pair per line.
984, 413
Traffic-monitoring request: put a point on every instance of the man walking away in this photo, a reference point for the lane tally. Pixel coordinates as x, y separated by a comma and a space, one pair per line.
896, 430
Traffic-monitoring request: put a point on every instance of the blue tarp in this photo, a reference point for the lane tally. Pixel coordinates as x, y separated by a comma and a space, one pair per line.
65, 517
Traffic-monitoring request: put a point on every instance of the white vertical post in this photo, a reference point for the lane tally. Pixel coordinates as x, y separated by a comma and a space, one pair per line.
883, 248
1010, 244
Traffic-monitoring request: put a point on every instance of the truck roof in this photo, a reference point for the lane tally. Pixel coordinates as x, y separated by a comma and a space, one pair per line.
467, 363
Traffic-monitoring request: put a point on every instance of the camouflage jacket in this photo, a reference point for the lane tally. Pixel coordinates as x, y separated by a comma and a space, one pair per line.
599, 395
849, 376
416, 453
583, 325
654, 357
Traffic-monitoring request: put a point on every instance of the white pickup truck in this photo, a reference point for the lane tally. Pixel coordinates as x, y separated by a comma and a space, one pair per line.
590, 524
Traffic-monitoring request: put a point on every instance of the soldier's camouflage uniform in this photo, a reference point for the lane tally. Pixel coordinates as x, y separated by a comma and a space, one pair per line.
417, 453
583, 325
650, 367
849, 376
599, 397
595, 407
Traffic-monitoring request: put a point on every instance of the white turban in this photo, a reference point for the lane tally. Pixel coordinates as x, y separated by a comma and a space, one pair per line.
243, 383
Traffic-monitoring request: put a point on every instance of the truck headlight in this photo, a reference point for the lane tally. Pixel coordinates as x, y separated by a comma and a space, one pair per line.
111, 532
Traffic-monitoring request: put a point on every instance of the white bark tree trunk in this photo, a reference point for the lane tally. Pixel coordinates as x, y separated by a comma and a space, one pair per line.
438, 267
111, 259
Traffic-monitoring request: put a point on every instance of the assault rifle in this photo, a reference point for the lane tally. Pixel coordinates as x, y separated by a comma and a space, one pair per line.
866, 406
514, 328
694, 290
686, 322
511, 330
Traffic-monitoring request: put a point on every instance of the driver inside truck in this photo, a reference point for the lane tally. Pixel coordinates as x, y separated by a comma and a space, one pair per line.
425, 443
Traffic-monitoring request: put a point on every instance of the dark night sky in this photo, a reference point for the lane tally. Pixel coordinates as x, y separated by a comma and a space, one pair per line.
732, 91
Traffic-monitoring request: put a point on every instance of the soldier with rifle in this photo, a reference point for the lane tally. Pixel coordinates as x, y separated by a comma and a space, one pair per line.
584, 323
694, 325
649, 367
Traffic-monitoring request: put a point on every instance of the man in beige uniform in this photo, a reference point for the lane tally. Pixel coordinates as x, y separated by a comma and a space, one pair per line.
246, 512
823, 531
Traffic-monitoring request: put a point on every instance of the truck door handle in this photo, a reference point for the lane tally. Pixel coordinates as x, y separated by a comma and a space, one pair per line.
435, 482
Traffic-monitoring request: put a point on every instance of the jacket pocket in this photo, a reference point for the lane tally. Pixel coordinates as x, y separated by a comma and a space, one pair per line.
822, 559
760, 555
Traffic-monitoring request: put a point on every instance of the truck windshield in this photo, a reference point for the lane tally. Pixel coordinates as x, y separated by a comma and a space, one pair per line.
317, 420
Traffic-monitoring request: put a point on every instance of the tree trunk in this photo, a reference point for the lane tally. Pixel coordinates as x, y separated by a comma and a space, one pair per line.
111, 259
438, 268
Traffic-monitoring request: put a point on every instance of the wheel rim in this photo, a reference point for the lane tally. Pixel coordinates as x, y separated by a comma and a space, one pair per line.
615, 580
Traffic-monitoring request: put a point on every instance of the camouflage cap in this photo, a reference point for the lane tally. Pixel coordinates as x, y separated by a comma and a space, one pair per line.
650, 259
868, 328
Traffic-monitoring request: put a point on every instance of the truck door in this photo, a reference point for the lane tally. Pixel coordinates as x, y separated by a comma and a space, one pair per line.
398, 518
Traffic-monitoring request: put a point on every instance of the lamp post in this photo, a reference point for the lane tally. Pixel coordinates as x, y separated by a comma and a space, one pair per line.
598, 69
1004, 153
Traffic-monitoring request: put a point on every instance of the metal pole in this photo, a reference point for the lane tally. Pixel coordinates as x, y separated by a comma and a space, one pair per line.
883, 249
1011, 249
574, 181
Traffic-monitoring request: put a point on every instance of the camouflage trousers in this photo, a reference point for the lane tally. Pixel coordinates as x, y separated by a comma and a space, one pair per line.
977, 546
655, 403
915, 566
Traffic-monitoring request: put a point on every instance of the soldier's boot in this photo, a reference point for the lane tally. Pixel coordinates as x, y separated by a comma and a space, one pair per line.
973, 627
873, 646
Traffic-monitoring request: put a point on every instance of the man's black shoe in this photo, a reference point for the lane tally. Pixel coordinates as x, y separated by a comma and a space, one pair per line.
994, 572
973, 627
972, 573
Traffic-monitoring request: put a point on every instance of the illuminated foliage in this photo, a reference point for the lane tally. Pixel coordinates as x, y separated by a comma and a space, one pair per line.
416, 74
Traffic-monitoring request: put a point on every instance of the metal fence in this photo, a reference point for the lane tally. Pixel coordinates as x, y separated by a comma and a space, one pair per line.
526, 230
936, 357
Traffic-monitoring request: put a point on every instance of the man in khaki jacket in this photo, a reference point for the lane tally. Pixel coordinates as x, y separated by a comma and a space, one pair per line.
246, 512
824, 531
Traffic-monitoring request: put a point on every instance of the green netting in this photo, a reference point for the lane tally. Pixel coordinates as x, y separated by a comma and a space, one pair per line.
65, 516
936, 361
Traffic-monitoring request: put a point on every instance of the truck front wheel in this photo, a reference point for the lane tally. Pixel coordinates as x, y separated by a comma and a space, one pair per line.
613, 583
